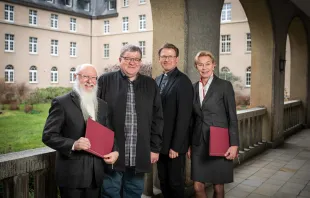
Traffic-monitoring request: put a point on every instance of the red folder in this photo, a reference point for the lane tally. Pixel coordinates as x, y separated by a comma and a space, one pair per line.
101, 138
219, 141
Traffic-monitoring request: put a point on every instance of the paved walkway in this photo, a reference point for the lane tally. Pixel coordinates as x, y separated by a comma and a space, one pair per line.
283, 172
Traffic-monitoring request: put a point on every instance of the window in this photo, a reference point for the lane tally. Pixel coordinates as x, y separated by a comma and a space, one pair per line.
87, 6
124, 43
54, 75
73, 24
226, 12
54, 21
225, 74
248, 42
112, 4
54, 47
125, 3
106, 25
141, 1
9, 74
106, 50
248, 77
68, 3
9, 13
9, 43
142, 47
125, 24
33, 45
225, 44
33, 17
72, 72
50, 1
33, 74
142, 22
73, 49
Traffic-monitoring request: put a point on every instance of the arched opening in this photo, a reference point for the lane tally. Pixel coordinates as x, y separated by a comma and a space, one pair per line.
33, 78
72, 72
54, 75
9, 74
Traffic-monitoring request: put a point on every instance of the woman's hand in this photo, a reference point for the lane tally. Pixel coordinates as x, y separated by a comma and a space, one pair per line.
189, 153
232, 153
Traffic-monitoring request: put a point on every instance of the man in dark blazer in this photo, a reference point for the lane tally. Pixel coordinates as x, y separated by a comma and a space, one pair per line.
137, 121
177, 97
79, 174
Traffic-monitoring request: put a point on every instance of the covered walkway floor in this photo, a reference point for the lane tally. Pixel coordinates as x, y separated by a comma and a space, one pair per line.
282, 172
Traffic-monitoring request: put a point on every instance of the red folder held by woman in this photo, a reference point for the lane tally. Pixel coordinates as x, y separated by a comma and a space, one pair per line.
219, 141
101, 138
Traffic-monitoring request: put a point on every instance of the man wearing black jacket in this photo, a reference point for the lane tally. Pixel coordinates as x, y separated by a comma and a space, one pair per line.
78, 173
137, 121
177, 97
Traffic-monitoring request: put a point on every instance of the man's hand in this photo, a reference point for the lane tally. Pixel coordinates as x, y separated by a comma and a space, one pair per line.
231, 153
81, 144
173, 154
111, 157
154, 157
189, 153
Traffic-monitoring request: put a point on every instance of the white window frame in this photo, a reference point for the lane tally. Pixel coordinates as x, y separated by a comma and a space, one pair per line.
33, 45
106, 27
33, 17
87, 6
73, 49
54, 75
225, 44
73, 24
142, 1
225, 71
142, 22
54, 21
142, 46
9, 43
106, 50
248, 77
71, 76
226, 12
125, 24
125, 3
8, 13
33, 74
9, 74
54, 47
68, 4
248, 41
110, 5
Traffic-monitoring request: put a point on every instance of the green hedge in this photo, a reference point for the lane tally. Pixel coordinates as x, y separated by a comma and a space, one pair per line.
45, 95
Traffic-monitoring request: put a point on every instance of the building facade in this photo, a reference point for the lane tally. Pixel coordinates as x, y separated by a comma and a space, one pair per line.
42, 41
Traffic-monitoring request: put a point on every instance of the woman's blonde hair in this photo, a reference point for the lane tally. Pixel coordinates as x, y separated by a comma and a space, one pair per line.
204, 53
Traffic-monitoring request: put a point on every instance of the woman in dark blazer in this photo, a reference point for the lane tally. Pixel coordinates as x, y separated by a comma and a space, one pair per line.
213, 105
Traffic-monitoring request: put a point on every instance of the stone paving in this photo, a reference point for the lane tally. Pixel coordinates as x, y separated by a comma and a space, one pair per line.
283, 172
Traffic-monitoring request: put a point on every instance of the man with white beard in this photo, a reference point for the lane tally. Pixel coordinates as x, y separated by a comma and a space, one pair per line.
78, 173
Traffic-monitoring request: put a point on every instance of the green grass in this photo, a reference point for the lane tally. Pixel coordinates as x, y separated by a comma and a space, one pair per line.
21, 131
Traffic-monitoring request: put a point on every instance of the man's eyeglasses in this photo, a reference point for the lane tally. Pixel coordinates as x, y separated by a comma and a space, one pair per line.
85, 77
166, 57
135, 60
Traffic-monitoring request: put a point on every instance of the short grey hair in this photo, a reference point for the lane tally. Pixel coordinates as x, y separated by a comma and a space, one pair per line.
82, 66
130, 48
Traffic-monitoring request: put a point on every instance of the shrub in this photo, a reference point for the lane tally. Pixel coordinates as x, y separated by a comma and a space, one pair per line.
14, 106
45, 95
146, 69
12, 92
243, 100
28, 108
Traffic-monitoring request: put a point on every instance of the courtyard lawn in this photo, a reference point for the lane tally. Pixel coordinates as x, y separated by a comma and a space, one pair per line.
21, 131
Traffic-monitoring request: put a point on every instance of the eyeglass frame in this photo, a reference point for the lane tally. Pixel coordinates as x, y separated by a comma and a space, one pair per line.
167, 57
128, 59
92, 78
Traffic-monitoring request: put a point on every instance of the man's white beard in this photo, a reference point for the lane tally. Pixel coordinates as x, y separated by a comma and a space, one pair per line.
88, 101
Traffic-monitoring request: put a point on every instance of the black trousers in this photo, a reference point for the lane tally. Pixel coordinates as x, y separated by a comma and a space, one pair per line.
171, 173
